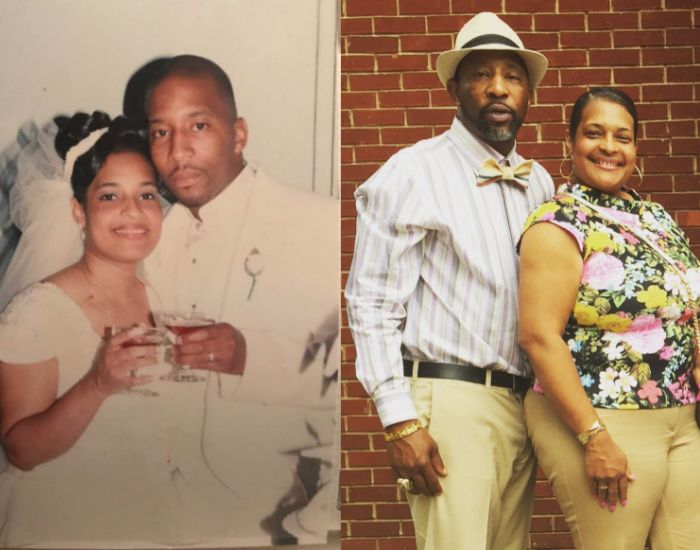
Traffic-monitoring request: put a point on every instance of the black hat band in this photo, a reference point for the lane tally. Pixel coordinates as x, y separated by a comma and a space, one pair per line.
490, 39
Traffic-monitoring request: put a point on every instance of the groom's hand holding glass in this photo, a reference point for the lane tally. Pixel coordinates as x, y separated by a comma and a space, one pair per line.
218, 347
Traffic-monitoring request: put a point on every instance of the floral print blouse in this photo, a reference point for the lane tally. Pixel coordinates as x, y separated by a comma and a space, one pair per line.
630, 334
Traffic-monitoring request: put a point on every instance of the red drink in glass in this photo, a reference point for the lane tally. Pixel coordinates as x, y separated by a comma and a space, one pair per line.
178, 324
182, 325
148, 336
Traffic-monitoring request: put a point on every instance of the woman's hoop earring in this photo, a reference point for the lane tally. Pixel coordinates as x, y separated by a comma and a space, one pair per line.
639, 173
561, 172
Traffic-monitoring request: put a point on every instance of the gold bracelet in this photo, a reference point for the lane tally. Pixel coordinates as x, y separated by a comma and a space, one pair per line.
412, 428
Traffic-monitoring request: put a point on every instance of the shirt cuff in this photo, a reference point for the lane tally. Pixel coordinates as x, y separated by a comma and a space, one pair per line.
395, 407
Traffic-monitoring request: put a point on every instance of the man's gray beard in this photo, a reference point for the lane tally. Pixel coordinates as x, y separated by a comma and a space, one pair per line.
492, 134
496, 134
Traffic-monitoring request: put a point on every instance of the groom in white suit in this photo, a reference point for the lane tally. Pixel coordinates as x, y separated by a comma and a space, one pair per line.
262, 260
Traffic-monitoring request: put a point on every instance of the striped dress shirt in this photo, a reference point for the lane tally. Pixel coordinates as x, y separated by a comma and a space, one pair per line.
435, 274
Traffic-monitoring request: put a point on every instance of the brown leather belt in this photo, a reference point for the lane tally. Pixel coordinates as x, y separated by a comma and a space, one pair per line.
467, 373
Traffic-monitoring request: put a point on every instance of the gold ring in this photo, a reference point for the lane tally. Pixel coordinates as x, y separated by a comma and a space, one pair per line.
603, 486
404, 483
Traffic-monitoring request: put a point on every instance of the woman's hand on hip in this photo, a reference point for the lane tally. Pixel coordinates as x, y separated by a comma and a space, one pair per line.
607, 470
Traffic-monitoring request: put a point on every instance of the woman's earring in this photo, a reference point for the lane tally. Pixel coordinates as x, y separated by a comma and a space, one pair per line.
561, 172
82, 232
639, 173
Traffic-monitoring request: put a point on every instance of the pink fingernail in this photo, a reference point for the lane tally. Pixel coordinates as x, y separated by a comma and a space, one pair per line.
602, 504
623, 502
612, 507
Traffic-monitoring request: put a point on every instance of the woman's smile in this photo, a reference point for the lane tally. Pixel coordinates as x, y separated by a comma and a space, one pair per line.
603, 150
132, 231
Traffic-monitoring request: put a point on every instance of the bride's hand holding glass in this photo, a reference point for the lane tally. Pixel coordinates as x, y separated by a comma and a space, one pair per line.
116, 367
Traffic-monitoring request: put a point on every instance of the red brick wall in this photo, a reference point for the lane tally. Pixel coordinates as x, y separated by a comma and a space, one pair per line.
391, 98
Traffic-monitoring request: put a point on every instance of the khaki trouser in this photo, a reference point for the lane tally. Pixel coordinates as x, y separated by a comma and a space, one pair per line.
663, 452
487, 495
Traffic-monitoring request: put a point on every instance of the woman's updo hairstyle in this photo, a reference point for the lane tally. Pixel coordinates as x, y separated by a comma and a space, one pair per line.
122, 136
604, 93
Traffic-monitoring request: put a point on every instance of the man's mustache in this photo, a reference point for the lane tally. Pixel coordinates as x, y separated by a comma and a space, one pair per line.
184, 169
502, 107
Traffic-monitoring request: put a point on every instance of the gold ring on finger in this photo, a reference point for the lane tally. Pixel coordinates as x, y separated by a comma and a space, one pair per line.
404, 483
603, 486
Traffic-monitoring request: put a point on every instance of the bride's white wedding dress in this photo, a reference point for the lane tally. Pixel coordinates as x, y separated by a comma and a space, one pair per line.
129, 480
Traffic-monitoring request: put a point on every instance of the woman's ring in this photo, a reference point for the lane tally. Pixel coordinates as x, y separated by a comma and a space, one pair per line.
603, 486
211, 356
404, 483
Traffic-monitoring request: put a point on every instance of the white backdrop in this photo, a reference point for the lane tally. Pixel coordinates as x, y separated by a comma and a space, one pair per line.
59, 56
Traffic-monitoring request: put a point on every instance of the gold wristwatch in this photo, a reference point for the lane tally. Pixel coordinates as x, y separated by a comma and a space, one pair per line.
585, 437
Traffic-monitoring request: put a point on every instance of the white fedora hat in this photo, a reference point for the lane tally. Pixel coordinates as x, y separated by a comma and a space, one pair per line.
486, 31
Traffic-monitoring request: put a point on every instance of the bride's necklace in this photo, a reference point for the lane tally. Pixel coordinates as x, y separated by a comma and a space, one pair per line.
97, 298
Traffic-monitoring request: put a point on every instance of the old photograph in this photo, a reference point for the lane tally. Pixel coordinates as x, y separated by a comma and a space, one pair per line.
169, 274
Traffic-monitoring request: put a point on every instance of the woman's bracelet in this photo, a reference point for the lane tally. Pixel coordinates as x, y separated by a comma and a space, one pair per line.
585, 437
411, 428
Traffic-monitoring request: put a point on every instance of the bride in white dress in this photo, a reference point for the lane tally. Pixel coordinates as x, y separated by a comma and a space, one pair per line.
89, 459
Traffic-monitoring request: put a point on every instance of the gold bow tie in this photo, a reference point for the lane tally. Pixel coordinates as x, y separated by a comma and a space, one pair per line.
491, 172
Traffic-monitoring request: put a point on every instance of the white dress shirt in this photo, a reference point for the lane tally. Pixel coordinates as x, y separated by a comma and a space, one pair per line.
197, 253
435, 271
265, 258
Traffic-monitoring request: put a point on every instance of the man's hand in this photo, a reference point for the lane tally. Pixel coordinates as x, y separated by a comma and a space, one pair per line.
218, 347
416, 457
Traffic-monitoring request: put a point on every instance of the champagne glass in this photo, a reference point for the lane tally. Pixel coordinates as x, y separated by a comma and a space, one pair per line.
176, 324
149, 336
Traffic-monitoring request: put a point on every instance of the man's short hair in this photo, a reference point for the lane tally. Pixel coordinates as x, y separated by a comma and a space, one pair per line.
188, 66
